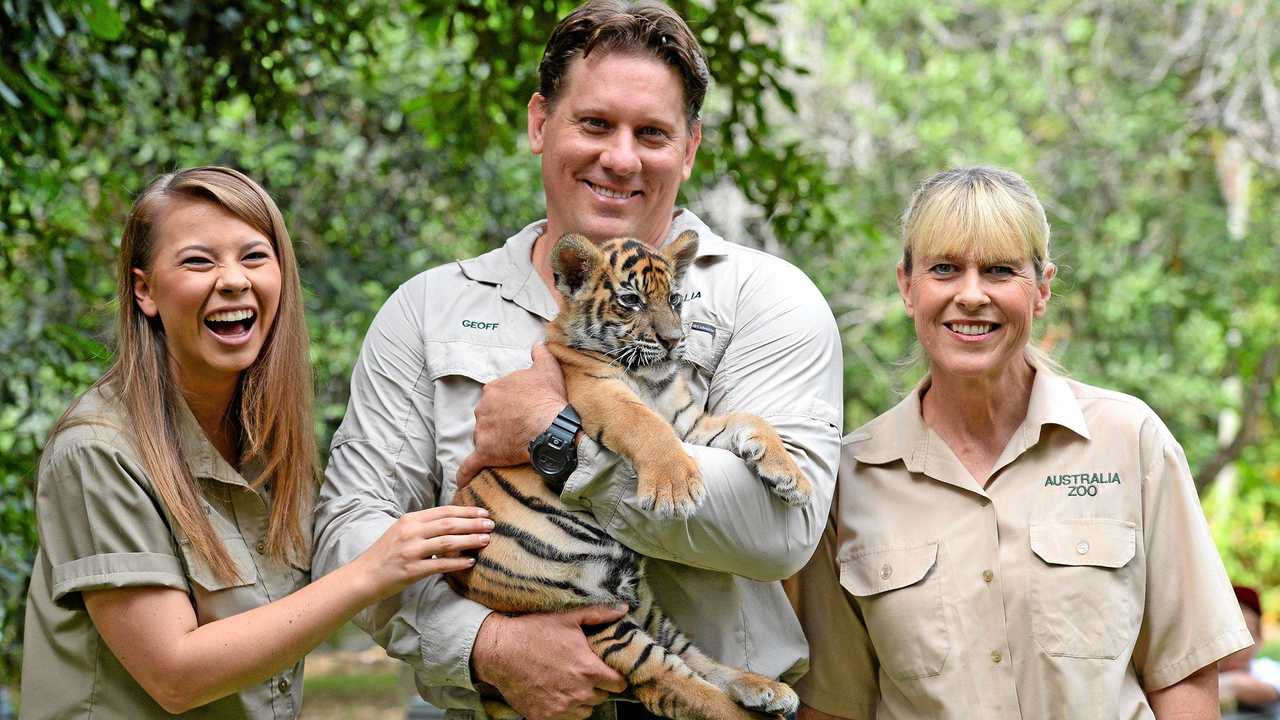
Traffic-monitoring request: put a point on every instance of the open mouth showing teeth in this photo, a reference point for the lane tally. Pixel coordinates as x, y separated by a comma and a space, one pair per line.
612, 194
971, 328
231, 323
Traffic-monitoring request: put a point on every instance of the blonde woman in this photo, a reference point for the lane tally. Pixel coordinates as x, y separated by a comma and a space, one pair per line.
174, 499
1007, 542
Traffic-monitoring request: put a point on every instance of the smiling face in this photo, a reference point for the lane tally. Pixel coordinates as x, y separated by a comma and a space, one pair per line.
973, 317
214, 284
615, 147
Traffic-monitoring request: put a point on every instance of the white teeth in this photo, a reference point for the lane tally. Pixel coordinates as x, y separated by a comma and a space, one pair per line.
971, 329
606, 192
231, 316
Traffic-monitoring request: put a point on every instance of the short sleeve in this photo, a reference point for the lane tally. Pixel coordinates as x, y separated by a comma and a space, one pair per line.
843, 677
1191, 618
99, 526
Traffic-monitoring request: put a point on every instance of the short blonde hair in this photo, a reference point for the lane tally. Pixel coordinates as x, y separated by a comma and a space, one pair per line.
986, 213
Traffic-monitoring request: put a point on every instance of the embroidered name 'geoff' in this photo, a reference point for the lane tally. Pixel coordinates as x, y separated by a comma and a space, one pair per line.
477, 325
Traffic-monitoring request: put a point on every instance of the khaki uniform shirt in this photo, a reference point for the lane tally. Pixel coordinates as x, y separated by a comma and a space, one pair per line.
760, 339
1080, 578
103, 526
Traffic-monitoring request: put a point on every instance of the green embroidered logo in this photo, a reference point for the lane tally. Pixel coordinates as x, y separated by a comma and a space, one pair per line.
477, 325
1082, 484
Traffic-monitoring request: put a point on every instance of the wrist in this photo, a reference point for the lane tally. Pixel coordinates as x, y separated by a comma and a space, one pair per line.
358, 577
485, 648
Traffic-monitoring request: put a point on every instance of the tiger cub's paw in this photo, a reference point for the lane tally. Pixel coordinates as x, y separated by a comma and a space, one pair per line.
672, 488
757, 692
763, 450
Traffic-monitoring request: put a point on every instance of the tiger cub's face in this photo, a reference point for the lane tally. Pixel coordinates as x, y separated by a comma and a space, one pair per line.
622, 299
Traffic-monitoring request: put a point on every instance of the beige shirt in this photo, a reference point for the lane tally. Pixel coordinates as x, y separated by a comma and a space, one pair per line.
760, 339
1080, 578
103, 526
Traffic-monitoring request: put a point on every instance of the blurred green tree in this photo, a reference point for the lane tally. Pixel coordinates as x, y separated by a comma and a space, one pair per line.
390, 133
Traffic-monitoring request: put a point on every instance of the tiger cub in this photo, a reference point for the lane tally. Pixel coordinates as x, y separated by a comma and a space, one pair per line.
619, 340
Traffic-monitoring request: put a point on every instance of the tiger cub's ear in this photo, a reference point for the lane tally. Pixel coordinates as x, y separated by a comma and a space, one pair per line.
572, 261
682, 251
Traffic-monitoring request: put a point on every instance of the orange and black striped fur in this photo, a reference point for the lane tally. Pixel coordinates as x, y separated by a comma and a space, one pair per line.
619, 340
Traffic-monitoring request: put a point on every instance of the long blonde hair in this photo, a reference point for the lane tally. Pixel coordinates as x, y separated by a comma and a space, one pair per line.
987, 213
272, 406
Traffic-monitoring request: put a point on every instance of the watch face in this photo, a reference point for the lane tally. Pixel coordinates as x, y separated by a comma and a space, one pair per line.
548, 460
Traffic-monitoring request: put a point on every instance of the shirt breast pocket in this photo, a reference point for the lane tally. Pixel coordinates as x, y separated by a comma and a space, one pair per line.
458, 371
1085, 589
900, 593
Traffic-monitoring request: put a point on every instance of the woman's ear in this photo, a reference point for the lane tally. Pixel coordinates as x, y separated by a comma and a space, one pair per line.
904, 289
1043, 289
142, 294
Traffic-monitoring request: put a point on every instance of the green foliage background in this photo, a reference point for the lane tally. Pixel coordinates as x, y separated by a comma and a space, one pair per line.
392, 135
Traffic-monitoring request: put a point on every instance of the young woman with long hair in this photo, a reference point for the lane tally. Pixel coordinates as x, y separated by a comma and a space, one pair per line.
174, 499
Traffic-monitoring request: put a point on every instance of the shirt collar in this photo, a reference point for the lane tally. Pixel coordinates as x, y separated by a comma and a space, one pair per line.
510, 267
901, 433
202, 458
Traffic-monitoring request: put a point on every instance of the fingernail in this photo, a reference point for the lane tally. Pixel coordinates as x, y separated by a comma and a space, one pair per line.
488, 524
484, 539
483, 512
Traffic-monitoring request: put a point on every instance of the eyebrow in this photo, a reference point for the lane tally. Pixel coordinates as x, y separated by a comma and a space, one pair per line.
197, 247
958, 259
647, 121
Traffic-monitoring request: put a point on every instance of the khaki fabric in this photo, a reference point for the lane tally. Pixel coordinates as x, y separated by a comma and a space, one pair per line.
760, 339
102, 526
1080, 578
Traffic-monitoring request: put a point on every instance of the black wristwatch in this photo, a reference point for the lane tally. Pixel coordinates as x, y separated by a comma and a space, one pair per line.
554, 453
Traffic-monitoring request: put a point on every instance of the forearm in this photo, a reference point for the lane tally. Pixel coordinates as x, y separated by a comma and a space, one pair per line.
740, 527
1192, 698
224, 656
1246, 688
153, 631
426, 625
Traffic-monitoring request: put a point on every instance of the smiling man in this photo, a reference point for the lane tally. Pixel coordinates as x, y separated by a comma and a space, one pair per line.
444, 387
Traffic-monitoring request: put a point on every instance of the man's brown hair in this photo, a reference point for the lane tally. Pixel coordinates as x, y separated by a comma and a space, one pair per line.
618, 26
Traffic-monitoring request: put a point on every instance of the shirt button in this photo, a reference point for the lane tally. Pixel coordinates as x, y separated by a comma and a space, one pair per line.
997, 656
1082, 547
262, 547
988, 576
283, 685
886, 571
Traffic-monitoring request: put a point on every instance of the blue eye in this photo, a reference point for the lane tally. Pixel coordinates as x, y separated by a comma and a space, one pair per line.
1001, 270
943, 269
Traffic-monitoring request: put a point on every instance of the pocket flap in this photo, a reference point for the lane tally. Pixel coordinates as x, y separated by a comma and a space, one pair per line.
482, 363
704, 344
1100, 542
880, 570
203, 575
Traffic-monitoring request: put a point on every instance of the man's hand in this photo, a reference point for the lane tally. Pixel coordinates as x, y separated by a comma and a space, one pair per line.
513, 410
1242, 687
543, 665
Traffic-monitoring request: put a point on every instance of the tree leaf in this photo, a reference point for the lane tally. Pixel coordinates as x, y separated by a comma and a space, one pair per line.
104, 20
